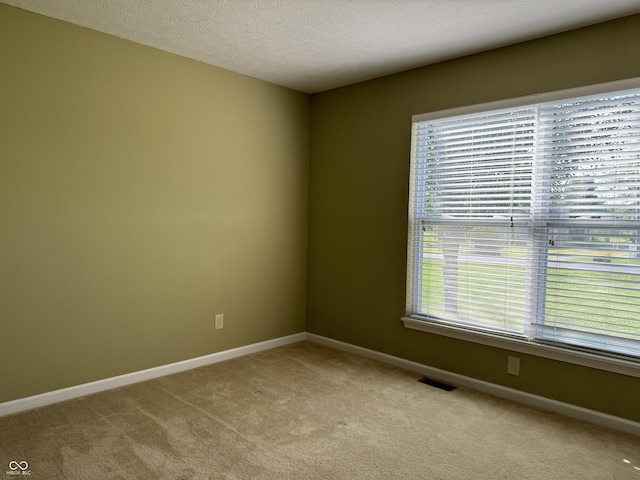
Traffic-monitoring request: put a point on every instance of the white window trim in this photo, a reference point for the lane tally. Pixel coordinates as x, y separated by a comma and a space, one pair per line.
625, 84
613, 364
564, 354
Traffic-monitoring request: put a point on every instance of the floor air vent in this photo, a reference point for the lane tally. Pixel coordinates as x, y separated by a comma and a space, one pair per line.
437, 384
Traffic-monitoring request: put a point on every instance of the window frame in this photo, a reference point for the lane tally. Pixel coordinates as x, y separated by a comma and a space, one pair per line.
516, 343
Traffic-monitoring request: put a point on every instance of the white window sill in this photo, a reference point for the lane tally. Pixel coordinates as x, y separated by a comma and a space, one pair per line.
616, 365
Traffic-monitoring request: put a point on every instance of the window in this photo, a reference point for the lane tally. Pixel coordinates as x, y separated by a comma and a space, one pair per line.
525, 222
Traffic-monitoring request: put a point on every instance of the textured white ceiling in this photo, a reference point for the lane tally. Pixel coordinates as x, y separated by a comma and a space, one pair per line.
316, 45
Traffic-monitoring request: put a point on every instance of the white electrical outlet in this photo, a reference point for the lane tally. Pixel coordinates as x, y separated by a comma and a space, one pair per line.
219, 323
513, 366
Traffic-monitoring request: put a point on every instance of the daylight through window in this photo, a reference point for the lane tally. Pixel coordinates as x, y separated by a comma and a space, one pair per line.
525, 221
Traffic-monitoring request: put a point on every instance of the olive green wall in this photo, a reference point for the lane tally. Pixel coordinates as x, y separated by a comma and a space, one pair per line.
358, 204
141, 193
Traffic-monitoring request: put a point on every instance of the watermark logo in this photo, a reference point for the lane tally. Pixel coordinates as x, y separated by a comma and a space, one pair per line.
18, 468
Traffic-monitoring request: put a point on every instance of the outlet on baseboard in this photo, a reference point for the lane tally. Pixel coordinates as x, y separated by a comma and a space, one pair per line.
513, 366
219, 323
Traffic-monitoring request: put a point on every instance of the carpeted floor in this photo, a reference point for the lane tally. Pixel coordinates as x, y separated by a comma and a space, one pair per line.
305, 411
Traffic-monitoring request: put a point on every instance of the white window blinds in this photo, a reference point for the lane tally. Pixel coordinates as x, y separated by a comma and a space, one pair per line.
525, 220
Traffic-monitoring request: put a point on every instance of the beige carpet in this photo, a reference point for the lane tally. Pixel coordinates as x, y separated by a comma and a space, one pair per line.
306, 412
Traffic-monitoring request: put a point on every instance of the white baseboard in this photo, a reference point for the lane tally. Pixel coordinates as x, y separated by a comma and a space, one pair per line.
536, 401
542, 403
48, 398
